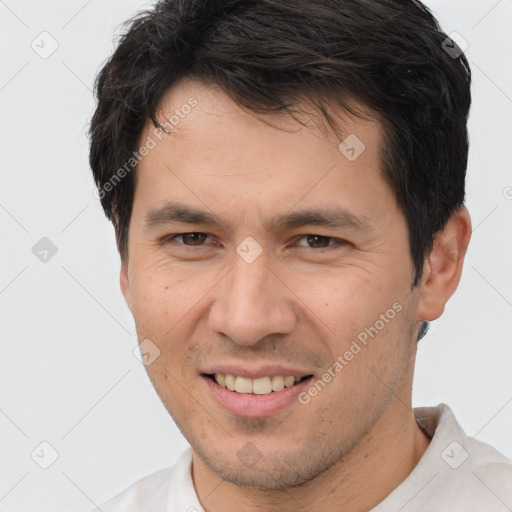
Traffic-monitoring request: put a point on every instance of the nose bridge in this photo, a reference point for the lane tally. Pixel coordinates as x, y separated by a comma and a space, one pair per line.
250, 294
251, 303
250, 279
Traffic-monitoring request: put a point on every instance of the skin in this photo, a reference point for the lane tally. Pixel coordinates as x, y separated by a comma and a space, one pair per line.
297, 303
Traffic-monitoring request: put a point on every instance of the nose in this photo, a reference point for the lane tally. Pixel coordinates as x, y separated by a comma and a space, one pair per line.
252, 302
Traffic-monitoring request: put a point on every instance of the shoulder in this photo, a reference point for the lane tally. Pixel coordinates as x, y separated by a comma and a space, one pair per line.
162, 491
456, 473
469, 471
490, 470
154, 487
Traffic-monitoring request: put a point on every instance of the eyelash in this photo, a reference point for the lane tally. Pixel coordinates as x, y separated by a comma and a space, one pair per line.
338, 241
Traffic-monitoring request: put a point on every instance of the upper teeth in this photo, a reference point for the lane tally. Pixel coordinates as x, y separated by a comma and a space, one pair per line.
260, 386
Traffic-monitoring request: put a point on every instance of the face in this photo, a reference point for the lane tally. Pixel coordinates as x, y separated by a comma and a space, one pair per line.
260, 250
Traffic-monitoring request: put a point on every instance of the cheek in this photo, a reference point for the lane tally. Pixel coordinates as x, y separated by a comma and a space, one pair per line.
168, 303
163, 309
158, 299
155, 285
363, 317
346, 301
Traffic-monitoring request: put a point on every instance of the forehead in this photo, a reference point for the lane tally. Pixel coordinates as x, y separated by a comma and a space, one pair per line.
202, 105
215, 149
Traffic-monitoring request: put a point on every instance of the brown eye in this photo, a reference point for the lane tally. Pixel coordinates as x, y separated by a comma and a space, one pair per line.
192, 238
318, 241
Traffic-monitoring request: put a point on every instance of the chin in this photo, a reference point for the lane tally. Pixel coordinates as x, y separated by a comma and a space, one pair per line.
251, 468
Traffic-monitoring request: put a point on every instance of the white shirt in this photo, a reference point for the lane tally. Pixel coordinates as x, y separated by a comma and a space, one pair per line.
456, 473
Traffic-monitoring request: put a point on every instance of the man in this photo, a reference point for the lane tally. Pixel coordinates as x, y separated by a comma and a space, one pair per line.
286, 182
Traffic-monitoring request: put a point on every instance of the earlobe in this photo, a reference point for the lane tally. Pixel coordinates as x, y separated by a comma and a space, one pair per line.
443, 267
125, 285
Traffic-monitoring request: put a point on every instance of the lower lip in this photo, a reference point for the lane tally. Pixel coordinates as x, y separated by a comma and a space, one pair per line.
254, 406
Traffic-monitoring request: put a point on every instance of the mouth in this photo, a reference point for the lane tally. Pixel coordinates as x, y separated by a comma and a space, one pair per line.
242, 390
261, 386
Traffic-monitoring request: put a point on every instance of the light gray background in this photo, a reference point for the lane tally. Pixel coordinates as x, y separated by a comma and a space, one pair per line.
67, 371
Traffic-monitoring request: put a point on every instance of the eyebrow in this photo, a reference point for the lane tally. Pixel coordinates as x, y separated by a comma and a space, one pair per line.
333, 218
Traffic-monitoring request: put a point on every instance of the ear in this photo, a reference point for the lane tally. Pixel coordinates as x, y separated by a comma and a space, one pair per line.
443, 267
125, 284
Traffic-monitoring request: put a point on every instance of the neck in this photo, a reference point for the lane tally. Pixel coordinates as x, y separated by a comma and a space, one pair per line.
383, 458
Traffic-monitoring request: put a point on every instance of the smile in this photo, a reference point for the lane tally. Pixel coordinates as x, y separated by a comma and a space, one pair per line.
259, 386
254, 398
